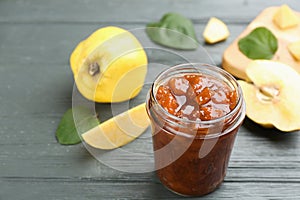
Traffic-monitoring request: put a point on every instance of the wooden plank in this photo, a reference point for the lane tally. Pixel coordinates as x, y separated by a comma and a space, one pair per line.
30, 150
52, 44
93, 189
31, 11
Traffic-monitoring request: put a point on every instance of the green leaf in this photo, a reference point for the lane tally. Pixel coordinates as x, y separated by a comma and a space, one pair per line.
173, 30
259, 44
75, 122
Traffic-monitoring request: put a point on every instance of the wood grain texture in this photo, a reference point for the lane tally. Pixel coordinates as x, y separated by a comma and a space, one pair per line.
130, 11
85, 189
36, 83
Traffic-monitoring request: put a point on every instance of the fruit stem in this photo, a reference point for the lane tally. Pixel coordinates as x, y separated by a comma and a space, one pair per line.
94, 69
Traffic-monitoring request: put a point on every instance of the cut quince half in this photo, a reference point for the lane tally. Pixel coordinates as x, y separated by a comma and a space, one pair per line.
285, 17
119, 130
215, 31
272, 96
103, 59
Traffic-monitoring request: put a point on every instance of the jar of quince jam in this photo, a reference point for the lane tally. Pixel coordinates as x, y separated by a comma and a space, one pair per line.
195, 112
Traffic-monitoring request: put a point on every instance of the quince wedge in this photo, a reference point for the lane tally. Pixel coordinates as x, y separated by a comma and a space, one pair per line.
118, 130
272, 96
294, 49
285, 17
215, 31
109, 66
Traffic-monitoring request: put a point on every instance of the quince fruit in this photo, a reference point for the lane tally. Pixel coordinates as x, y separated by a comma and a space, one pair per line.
118, 130
272, 96
109, 66
285, 17
294, 49
215, 31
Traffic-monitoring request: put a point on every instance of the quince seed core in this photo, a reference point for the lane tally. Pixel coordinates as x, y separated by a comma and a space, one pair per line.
268, 93
94, 69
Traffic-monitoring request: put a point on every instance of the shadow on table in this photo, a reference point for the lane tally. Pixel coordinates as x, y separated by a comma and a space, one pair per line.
272, 134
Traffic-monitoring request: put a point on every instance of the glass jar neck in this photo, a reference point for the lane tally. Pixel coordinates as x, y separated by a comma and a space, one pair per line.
189, 128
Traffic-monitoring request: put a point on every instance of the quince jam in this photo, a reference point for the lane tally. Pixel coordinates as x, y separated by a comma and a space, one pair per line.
196, 97
195, 113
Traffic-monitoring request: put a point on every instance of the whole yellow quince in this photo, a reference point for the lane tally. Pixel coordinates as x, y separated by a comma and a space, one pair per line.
109, 66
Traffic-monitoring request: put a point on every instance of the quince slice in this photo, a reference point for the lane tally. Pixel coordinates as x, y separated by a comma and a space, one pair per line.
272, 98
294, 49
215, 31
118, 130
285, 17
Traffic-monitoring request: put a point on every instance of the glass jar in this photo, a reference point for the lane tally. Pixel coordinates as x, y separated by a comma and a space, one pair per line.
191, 157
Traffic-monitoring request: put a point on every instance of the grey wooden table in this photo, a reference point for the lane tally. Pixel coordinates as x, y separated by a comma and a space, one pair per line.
36, 39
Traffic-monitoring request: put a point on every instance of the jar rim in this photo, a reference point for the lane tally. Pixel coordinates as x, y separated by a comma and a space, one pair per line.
206, 67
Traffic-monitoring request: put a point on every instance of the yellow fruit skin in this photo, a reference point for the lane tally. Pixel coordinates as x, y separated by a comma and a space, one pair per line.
122, 61
119, 130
